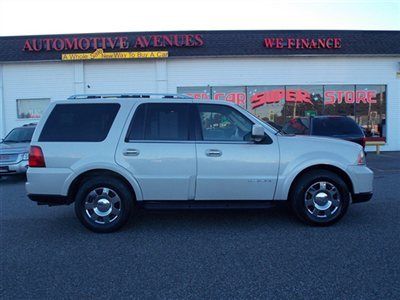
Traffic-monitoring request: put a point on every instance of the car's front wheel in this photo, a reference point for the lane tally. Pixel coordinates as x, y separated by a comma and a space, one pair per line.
103, 204
320, 197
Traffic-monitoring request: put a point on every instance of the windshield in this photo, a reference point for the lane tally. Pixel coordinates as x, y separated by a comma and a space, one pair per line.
20, 135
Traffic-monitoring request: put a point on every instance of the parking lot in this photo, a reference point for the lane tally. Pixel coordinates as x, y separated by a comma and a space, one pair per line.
46, 253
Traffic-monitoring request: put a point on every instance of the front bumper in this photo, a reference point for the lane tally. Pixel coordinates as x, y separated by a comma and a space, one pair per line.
362, 178
14, 168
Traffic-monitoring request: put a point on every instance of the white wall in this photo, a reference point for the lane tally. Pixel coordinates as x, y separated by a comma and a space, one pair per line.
34, 80
58, 80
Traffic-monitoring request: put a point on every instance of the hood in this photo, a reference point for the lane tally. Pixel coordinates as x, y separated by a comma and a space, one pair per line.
310, 147
322, 139
13, 148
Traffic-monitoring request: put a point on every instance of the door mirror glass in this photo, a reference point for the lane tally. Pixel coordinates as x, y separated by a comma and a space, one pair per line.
257, 133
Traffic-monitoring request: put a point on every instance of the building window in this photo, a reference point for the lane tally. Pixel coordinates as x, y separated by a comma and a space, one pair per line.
267, 102
366, 104
303, 100
197, 92
370, 107
31, 108
235, 94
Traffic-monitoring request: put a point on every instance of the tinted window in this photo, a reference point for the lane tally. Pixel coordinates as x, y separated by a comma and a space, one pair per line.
160, 121
20, 135
335, 126
79, 122
223, 123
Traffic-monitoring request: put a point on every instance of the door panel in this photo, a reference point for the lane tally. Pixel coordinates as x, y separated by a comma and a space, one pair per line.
230, 166
160, 152
164, 171
240, 172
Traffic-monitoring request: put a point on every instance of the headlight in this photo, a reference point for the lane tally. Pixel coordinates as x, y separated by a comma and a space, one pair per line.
25, 156
361, 158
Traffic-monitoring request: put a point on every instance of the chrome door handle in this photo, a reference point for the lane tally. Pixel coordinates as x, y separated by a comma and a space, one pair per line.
131, 152
213, 152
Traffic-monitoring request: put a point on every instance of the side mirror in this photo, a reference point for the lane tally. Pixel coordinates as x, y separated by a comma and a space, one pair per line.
257, 133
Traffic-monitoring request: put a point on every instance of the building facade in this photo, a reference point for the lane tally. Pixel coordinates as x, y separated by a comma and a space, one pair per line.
277, 75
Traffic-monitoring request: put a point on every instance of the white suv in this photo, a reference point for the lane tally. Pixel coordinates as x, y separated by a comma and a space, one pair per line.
111, 153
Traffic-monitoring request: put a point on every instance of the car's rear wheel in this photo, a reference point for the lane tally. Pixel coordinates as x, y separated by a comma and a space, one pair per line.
103, 204
320, 197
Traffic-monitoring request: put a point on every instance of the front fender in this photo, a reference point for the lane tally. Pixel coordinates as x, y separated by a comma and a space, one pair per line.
291, 168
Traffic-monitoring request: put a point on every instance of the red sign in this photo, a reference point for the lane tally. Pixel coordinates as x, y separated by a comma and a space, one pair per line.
303, 43
360, 96
113, 42
302, 96
274, 96
235, 97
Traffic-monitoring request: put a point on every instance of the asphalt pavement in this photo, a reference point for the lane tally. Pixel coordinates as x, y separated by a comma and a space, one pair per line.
47, 253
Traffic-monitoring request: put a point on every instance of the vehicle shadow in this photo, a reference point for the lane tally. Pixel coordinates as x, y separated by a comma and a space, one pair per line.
12, 179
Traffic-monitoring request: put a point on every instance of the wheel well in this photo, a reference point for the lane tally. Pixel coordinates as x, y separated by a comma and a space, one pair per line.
331, 168
73, 188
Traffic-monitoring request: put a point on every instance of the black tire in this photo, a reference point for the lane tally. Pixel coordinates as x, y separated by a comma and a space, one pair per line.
106, 189
322, 210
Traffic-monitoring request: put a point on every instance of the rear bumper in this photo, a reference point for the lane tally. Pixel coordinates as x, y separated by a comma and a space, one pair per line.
50, 200
362, 197
17, 168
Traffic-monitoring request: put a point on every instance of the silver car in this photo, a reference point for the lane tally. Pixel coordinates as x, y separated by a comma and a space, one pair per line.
110, 154
14, 150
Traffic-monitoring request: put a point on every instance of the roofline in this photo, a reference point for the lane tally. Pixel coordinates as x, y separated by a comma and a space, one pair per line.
198, 31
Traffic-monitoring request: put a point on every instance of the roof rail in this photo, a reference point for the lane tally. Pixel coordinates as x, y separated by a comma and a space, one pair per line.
128, 95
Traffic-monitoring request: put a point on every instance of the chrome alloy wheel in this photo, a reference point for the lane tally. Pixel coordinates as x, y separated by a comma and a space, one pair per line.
102, 205
322, 200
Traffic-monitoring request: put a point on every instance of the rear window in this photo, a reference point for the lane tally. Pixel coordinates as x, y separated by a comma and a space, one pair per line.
160, 122
20, 135
335, 126
79, 122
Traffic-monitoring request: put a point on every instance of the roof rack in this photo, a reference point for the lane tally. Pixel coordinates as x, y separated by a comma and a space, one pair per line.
128, 95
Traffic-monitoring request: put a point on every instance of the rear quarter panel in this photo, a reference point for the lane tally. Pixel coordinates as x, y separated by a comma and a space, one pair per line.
67, 160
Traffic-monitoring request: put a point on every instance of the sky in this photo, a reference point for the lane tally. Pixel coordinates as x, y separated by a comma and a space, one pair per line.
31, 17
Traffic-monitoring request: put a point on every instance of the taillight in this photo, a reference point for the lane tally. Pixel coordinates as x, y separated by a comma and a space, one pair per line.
361, 158
36, 158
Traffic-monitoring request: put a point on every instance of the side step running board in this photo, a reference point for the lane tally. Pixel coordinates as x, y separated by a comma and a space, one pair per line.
205, 205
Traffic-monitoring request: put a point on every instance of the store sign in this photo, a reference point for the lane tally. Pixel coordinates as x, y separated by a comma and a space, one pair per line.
238, 98
303, 43
100, 54
302, 96
275, 96
113, 42
350, 97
